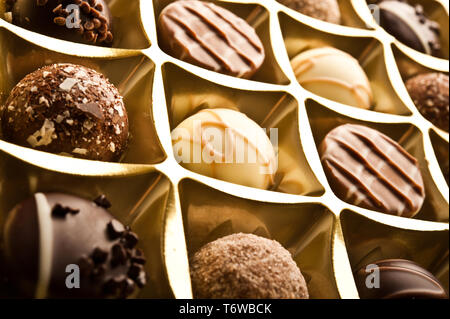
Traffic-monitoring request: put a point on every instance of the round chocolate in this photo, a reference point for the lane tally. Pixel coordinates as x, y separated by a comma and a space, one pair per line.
227, 145
48, 236
68, 109
87, 22
335, 75
245, 266
326, 10
210, 36
430, 94
368, 169
397, 279
410, 26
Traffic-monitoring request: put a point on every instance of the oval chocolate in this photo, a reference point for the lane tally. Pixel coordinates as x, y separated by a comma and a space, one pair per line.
368, 169
210, 36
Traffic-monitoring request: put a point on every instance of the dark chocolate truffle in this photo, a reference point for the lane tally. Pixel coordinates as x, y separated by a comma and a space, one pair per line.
48, 232
368, 169
398, 279
246, 266
87, 22
68, 109
326, 10
430, 94
210, 36
410, 26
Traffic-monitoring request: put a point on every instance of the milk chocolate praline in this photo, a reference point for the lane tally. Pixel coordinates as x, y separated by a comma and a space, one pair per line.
245, 266
368, 169
46, 233
67, 109
50, 17
210, 36
397, 279
429, 93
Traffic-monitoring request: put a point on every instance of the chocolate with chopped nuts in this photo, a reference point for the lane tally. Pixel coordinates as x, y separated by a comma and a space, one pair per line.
429, 93
82, 21
48, 232
67, 109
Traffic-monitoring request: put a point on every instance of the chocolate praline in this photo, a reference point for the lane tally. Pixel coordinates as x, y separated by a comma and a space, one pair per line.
246, 266
368, 169
67, 109
430, 93
210, 36
409, 25
87, 22
397, 279
48, 236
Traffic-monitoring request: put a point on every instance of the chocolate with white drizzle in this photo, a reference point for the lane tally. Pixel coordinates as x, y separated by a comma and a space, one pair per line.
49, 17
368, 169
47, 232
210, 36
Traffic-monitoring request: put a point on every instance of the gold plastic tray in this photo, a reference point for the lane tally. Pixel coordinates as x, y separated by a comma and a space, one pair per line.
176, 211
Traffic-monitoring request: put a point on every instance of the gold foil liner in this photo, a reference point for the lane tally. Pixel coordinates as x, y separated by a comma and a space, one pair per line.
176, 211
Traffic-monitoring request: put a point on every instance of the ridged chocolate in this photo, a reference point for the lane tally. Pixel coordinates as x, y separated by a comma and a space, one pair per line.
368, 169
400, 279
210, 36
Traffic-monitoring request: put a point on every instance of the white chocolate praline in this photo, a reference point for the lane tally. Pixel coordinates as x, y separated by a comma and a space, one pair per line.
335, 75
227, 145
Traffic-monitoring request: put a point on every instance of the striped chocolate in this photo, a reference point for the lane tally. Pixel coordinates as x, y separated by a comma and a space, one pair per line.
368, 169
209, 36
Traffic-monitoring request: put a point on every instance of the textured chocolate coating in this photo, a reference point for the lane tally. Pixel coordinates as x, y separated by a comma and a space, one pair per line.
78, 232
410, 26
246, 266
49, 17
210, 36
326, 10
69, 109
400, 279
368, 169
430, 94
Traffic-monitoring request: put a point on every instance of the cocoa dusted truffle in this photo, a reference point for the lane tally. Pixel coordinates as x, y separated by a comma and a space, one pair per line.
430, 94
248, 267
68, 109
48, 236
326, 10
87, 22
398, 279
210, 36
409, 25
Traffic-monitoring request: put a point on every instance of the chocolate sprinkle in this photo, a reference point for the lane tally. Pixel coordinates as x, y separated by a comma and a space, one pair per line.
115, 229
102, 201
60, 211
99, 256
